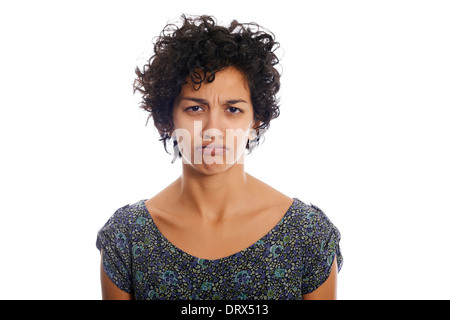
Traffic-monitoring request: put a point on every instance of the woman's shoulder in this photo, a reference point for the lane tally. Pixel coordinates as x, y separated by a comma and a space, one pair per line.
126, 218
315, 232
309, 218
130, 212
307, 211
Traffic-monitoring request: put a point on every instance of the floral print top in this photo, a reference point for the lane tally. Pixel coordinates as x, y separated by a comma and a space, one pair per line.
292, 259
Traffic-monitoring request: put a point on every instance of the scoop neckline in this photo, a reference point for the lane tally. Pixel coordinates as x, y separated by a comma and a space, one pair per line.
241, 252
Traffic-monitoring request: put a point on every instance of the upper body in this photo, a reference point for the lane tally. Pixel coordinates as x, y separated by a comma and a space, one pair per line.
212, 91
297, 258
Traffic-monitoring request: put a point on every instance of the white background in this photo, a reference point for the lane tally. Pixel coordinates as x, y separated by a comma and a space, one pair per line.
363, 134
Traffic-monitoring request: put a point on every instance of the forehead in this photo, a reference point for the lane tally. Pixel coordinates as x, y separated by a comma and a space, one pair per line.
230, 81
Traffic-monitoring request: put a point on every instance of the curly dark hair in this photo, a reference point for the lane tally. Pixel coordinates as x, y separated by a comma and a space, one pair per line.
200, 48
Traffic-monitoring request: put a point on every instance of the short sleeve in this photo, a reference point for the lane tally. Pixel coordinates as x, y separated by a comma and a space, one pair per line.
320, 247
113, 239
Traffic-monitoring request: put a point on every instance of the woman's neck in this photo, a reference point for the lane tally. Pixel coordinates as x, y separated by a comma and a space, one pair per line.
213, 196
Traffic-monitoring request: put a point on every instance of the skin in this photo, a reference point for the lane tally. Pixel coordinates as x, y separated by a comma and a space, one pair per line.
221, 108
215, 209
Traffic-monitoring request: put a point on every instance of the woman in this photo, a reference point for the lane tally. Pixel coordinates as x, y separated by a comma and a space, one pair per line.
216, 232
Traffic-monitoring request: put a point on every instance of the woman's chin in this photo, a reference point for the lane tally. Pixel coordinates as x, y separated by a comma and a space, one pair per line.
210, 164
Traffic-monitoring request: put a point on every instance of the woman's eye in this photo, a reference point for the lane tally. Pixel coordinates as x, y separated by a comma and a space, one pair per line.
234, 110
194, 108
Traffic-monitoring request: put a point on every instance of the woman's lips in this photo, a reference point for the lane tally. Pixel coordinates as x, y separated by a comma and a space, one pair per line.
213, 150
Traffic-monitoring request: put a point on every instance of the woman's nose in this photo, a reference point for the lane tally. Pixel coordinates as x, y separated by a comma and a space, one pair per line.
212, 126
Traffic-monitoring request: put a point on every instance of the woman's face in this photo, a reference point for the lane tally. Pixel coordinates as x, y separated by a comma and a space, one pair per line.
212, 125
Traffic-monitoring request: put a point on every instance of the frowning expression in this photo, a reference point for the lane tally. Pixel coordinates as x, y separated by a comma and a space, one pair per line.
215, 121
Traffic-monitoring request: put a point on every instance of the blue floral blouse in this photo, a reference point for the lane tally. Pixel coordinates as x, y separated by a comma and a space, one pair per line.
292, 259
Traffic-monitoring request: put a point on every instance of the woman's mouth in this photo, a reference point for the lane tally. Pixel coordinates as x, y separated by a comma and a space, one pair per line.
213, 150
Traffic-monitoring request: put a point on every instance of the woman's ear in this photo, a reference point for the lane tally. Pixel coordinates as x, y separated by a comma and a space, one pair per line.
254, 131
167, 130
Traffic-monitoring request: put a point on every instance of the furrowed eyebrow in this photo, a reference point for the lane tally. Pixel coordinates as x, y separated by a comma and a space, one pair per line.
236, 101
203, 101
